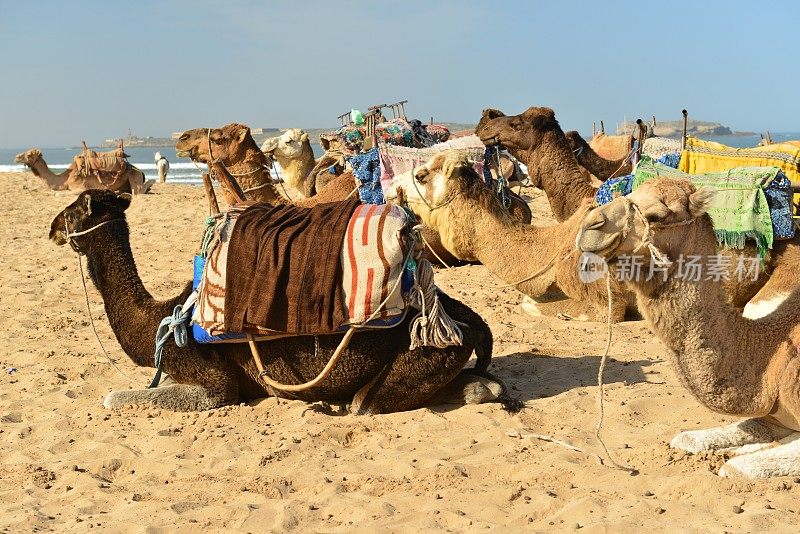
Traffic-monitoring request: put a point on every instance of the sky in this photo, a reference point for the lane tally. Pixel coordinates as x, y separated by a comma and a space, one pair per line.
93, 69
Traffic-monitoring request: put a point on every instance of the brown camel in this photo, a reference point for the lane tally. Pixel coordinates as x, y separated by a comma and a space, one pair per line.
731, 364
235, 148
130, 181
376, 374
535, 138
448, 195
292, 150
599, 167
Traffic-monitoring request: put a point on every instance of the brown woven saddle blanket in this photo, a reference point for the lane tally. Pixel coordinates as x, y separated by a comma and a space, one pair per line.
284, 269
108, 165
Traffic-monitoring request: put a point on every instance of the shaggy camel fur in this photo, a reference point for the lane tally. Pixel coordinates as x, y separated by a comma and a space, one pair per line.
448, 195
732, 365
292, 150
235, 147
599, 167
377, 372
131, 181
535, 138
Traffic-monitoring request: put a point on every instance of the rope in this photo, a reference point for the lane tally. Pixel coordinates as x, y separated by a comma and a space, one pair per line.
433, 327
280, 181
91, 321
174, 324
601, 387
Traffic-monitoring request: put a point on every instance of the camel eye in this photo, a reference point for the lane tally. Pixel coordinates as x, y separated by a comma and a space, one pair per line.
185, 137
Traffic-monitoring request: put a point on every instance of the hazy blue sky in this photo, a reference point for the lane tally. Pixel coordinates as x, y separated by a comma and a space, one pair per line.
92, 69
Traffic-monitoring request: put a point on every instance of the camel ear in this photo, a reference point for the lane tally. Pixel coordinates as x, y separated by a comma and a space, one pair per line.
324, 143
700, 201
242, 133
304, 138
491, 113
88, 199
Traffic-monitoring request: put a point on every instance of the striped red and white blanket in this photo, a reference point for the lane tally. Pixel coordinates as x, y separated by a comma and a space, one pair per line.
372, 262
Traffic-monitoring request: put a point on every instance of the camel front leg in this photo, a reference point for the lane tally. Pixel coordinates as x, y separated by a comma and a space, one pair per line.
780, 461
747, 432
178, 398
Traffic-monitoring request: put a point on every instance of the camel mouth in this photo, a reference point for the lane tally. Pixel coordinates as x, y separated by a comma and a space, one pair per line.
602, 246
184, 153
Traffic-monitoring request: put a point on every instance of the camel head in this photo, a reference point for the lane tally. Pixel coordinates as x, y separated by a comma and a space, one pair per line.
29, 157
430, 191
228, 144
290, 145
91, 208
575, 140
668, 206
516, 132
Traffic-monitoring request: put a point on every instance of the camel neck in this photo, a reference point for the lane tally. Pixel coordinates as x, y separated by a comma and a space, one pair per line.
555, 168
42, 170
259, 182
295, 170
600, 167
132, 312
720, 356
510, 250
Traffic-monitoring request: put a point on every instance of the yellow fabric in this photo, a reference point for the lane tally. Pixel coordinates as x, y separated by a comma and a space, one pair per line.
702, 157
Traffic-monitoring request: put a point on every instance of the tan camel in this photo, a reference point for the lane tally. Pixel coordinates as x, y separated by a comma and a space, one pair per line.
599, 167
448, 195
535, 138
130, 181
292, 150
235, 148
377, 373
732, 365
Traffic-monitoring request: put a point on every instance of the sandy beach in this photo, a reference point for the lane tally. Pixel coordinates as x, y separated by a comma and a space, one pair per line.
68, 464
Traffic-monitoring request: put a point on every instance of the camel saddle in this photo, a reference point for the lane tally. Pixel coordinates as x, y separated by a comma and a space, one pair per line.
272, 271
106, 166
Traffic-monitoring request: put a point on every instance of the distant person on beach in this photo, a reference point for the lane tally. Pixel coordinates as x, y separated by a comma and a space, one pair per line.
163, 167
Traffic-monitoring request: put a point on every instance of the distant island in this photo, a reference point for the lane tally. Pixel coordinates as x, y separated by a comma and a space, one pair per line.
674, 129
663, 129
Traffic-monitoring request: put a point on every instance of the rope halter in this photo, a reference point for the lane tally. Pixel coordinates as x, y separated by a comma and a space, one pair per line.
69, 235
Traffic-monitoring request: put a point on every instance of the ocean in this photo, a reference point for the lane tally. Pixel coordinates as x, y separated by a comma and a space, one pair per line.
183, 171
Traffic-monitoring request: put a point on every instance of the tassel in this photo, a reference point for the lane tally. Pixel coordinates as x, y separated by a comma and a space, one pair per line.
432, 327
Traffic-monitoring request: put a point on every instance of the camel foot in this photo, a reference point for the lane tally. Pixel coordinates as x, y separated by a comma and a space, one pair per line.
146, 186
178, 398
747, 432
780, 461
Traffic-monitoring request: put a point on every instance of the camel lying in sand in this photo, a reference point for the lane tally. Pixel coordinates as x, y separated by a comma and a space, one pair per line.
376, 374
131, 180
535, 138
732, 365
448, 195
235, 148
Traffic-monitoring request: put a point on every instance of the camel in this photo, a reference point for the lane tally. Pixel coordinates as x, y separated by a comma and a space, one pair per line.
235, 148
376, 374
599, 167
292, 150
730, 364
131, 181
448, 195
535, 138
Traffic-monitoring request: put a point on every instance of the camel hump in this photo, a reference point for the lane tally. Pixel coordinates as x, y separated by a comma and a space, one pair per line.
92, 162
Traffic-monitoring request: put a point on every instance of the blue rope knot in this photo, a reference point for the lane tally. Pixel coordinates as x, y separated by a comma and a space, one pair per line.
175, 325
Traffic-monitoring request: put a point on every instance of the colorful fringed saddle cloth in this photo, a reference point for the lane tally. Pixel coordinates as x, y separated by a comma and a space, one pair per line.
751, 202
375, 268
